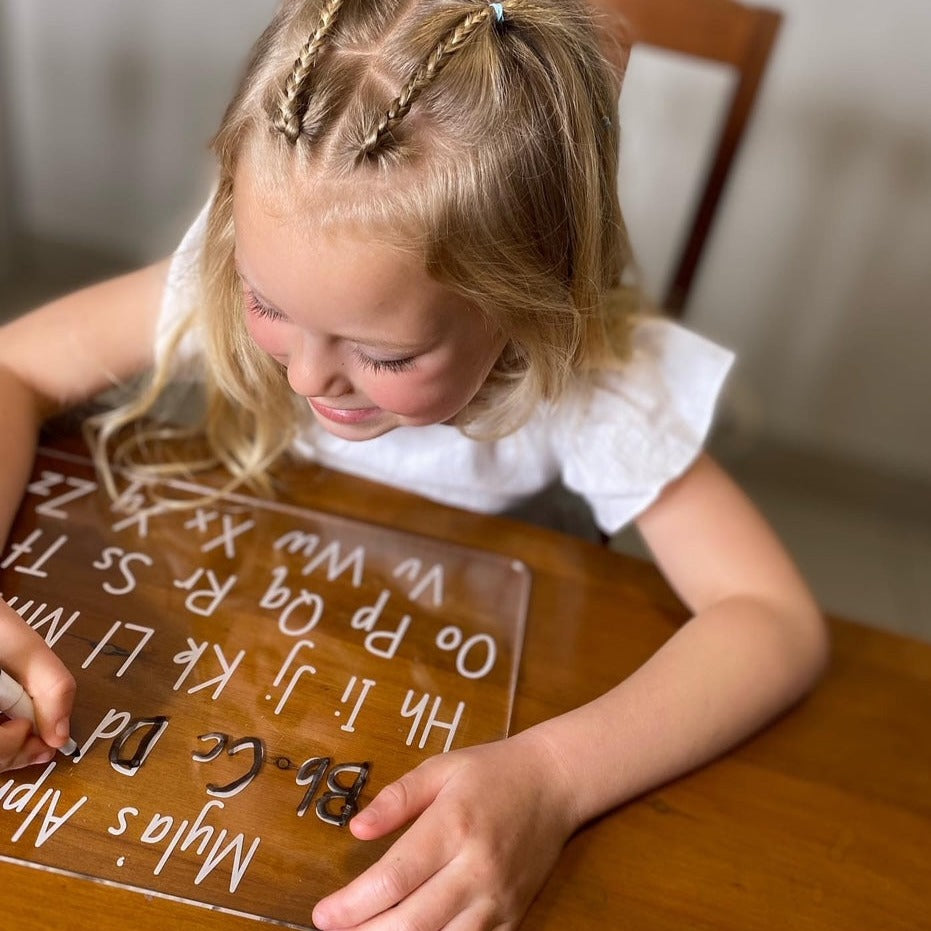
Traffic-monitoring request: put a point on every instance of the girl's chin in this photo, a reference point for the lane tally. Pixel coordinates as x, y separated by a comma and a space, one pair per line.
356, 432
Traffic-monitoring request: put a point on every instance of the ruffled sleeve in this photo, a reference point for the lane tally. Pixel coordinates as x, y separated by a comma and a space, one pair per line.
181, 299
623, 439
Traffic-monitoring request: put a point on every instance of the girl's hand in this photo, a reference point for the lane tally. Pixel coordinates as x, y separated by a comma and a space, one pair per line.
25, 656
492, 821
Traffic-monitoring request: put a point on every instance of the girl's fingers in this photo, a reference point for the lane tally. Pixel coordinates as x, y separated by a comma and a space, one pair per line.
450, 900
41, 673
410, 862
463, 863
52, 688
396, 804
19, 747
439, 903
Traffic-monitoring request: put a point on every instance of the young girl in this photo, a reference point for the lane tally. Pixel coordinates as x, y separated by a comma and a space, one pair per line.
411, 269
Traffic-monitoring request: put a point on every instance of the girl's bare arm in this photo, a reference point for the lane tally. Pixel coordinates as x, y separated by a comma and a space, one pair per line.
755, 644
65, 353
50, 359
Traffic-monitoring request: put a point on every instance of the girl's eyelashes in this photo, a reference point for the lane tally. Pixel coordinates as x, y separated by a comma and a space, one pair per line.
256, 307
383, 365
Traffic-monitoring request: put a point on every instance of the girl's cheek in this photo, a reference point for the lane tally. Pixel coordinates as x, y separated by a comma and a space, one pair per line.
267, 338
423, 396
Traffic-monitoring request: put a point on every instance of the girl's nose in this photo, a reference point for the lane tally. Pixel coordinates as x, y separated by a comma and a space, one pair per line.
315, 370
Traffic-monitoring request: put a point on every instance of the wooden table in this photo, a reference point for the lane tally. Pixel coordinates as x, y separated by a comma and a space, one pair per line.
821, 822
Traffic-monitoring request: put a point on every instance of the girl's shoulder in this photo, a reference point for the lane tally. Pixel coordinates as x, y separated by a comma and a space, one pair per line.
669, 366
621, 435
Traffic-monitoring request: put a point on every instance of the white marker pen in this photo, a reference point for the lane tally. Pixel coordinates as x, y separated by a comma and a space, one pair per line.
15, 703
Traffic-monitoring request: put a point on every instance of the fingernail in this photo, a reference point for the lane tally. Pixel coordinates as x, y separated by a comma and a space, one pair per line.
320, 917
366, 816
46, 756
63, 727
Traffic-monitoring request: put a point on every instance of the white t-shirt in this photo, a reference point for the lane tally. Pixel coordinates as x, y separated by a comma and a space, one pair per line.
616, 444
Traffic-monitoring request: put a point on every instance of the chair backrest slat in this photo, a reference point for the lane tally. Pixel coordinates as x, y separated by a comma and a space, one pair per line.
723, 31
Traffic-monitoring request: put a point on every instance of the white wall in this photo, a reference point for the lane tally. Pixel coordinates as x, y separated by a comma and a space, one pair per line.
114, 104
818, 272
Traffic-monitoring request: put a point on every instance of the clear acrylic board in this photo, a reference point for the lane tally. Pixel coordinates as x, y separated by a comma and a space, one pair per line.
249, 674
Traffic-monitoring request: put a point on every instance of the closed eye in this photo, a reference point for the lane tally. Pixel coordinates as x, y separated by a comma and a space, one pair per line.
259, 309
383, 365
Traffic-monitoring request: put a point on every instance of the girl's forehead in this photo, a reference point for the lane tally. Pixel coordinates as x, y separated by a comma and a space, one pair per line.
392, 210
370, 286
267, 222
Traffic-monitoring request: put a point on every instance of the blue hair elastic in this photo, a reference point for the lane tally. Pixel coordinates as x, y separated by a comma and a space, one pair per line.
499, 11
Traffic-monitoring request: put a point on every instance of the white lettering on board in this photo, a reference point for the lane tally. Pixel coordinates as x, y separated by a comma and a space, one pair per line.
433, 721
146, 632
117, 557
367, 617
192, 656
205, 601
433, 578
37, 623
25, 548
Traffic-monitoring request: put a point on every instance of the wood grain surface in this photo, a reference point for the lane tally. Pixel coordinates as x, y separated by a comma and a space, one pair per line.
820, 822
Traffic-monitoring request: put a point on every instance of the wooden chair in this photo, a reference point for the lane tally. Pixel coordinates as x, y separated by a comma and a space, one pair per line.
721, 31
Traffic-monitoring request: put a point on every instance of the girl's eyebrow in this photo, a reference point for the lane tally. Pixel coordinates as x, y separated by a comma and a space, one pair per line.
387, 345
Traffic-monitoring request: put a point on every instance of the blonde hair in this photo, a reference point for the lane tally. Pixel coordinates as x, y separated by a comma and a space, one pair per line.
487, 144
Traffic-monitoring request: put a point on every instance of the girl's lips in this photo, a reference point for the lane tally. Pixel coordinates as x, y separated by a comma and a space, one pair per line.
341, 415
